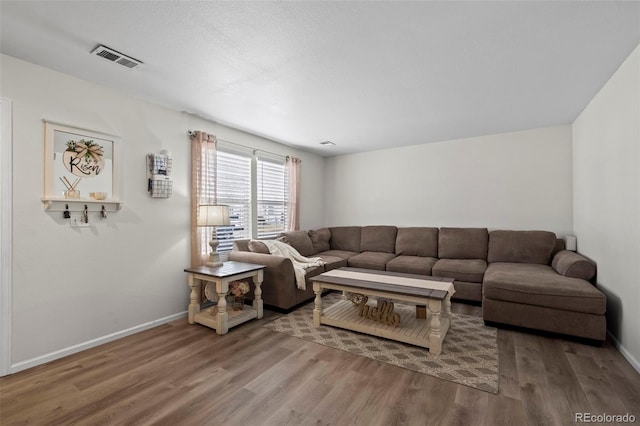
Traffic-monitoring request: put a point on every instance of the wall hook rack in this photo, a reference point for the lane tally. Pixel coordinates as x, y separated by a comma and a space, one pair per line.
61, 205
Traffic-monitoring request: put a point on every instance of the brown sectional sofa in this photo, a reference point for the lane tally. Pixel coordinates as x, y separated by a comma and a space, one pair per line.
523, 278
528, 284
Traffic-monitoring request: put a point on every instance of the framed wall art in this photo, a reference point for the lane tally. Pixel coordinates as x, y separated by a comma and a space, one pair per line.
81, 166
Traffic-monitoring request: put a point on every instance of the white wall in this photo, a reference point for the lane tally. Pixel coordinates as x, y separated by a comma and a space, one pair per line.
606, 191
519, 180
71, 286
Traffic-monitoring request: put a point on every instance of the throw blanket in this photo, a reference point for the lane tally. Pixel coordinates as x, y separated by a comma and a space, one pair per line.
300, 263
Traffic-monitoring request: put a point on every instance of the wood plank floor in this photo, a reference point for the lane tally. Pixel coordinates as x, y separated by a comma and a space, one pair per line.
181, 374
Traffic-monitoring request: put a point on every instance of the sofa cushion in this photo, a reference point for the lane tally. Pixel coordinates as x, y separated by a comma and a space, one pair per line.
320, 239
241, 245
312, 272
463, 243
342, 254
378, 238
412, 264
333, 262
345, 238
560, 245
570, 264
521, 246
469, 270
300, 241
417, 241
540, 285
371, 260
571, 323
258, 247
467, 291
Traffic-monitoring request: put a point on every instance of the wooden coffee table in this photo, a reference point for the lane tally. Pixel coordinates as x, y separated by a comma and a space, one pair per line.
434, 292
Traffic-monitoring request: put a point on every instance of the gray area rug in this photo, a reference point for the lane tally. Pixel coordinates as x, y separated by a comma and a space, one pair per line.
469, 352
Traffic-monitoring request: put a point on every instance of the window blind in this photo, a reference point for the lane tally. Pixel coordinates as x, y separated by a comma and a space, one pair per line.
233, 183
271, 197
234, 190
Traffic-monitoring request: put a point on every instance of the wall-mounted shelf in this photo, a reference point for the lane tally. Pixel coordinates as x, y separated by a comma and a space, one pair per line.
77, 204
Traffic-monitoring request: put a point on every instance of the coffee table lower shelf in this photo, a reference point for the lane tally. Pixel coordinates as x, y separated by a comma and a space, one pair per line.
412, 330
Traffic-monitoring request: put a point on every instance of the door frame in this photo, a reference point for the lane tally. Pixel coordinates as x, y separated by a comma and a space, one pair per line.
6, 149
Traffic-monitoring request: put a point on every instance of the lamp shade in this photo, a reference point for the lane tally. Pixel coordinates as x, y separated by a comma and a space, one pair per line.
212, 215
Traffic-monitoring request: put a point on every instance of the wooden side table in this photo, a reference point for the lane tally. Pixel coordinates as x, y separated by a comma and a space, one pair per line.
218, 317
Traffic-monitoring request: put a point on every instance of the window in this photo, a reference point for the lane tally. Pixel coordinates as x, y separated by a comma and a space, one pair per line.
257, 201
271, 197
234, 189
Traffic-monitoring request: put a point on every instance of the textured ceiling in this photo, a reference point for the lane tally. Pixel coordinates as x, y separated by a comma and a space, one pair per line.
365, 75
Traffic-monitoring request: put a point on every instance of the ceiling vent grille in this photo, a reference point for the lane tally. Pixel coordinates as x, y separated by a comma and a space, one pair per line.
114, 56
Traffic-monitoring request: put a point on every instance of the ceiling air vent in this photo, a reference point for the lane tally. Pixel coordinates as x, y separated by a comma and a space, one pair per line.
114, 56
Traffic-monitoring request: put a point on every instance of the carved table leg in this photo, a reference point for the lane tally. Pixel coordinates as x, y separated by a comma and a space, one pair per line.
435, 339
447, 308
317, 310
194, 305
222, 317
257, 293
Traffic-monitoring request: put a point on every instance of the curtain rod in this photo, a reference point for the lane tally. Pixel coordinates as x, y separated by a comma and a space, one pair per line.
191, 133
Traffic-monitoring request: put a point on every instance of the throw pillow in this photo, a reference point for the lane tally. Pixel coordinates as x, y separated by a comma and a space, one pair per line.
300, 241
258, 247
573, 265
320, 239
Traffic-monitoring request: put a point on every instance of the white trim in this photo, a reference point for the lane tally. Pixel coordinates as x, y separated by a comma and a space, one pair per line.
6, 234
23, 365
254, 197
71, 126
625, 353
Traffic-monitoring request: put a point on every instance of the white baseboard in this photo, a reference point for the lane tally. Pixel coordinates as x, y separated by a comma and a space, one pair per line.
625, 353
23, 365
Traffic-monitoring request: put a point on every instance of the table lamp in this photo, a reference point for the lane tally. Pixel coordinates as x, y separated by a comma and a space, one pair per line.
213, 215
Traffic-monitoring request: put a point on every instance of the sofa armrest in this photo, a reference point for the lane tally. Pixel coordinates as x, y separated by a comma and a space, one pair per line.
573, 265
279, 282
279, 267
